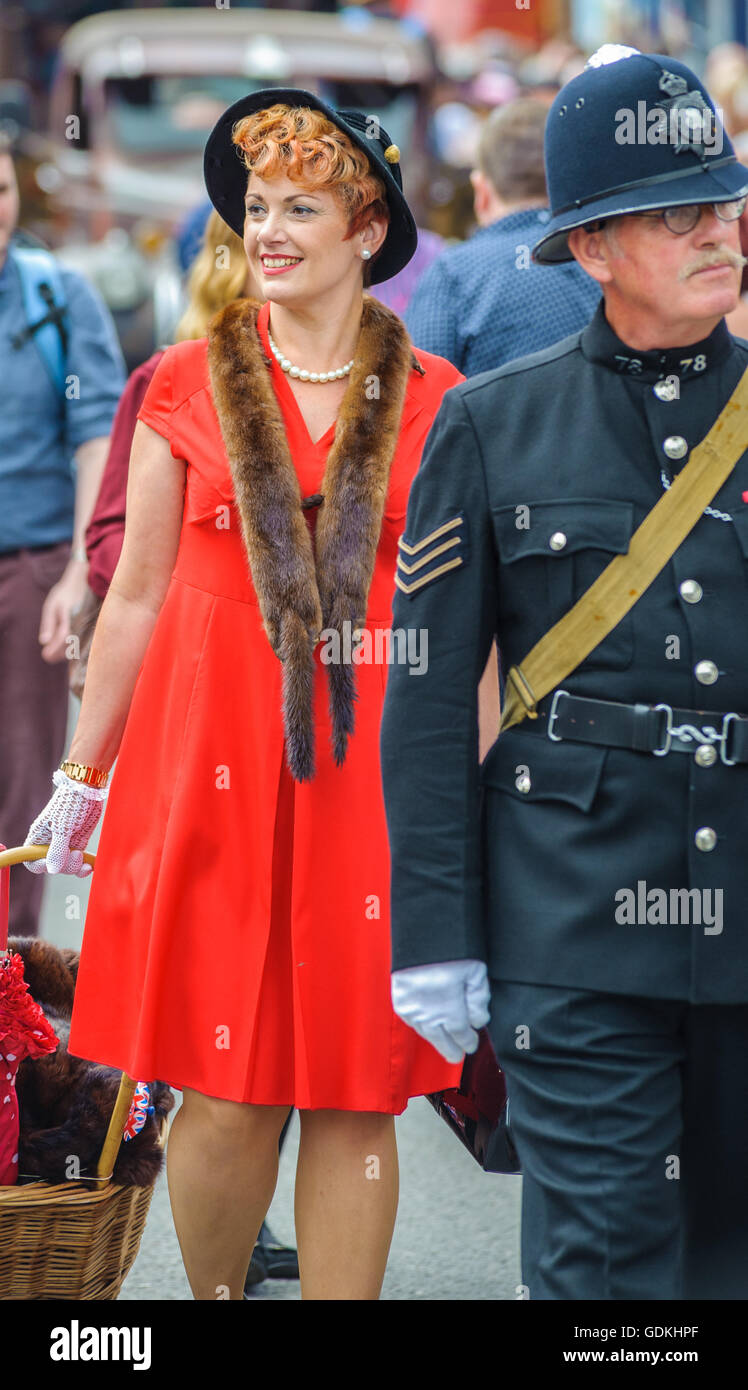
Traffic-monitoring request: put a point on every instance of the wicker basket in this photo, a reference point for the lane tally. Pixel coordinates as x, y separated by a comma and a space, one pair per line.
72, 1240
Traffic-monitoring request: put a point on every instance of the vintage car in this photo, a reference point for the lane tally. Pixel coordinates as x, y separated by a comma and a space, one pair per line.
134, 97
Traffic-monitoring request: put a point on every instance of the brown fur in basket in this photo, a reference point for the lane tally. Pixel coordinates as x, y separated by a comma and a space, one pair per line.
66, 1102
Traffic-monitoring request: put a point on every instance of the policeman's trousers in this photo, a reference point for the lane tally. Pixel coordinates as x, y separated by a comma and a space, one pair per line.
630, 1118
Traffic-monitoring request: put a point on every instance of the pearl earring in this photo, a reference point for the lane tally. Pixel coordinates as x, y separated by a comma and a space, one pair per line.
366, 254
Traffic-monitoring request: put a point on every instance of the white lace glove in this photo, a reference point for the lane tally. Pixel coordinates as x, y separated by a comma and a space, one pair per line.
445, 1003
66, 825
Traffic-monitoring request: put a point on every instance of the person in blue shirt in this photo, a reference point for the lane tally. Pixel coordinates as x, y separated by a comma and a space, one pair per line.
53, 443
484, 302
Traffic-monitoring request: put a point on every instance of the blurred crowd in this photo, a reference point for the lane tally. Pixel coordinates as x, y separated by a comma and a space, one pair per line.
460, 297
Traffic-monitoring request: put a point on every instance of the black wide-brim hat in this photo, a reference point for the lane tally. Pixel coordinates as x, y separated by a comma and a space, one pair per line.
226, 173
595, 169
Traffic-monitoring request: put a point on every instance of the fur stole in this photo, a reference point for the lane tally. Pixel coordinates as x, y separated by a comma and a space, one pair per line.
305, 586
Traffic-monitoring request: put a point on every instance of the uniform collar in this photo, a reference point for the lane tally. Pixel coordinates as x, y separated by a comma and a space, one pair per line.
600, 344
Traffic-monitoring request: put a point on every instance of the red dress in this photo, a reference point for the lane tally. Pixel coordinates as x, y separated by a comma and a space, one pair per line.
237, 937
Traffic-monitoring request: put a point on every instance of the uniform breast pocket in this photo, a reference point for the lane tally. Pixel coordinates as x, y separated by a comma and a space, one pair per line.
556, 550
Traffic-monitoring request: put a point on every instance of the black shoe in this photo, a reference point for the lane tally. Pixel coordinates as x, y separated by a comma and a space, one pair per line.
258, 1270
281, 1261
270, 1260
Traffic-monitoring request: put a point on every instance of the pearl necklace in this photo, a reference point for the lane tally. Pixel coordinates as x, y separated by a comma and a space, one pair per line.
303, 375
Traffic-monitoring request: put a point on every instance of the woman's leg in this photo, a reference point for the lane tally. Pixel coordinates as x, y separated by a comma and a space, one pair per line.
222, 1167
346, 1202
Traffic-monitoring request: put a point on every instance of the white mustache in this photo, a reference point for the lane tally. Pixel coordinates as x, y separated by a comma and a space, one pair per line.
726, 257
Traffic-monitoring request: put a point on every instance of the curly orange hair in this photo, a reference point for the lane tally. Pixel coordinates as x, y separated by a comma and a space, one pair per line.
303, 144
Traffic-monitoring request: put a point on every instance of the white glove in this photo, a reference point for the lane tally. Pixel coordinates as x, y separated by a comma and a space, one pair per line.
445, 1003
66, 825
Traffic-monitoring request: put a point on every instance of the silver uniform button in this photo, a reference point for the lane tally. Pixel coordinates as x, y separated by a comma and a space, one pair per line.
665, 390
705, 755
691, 591
675, 446
523, 783
557, 541
706, 672
705, 838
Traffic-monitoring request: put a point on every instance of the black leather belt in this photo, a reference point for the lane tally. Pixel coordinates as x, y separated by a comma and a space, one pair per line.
657, 729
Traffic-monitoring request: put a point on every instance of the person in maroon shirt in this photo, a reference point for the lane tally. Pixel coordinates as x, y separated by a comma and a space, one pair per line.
106, 529
214, 280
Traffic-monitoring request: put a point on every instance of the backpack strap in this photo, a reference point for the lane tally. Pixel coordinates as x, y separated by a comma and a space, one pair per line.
625, 579
45, 307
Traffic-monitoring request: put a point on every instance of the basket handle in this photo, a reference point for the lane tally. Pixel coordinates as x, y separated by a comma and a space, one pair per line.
113, 1137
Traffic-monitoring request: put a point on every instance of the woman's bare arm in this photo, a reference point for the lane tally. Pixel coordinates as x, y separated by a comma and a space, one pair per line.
153, 520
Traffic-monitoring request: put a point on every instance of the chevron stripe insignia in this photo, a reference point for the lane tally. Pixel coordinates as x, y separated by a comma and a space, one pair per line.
442, 550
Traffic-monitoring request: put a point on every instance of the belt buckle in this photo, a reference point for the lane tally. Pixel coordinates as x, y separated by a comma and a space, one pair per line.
660, 752
726, 718
553, 716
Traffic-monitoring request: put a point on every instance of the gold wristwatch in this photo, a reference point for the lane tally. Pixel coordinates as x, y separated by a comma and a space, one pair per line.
81, 772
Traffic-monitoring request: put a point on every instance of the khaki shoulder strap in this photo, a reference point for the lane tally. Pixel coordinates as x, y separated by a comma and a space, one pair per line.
625, 579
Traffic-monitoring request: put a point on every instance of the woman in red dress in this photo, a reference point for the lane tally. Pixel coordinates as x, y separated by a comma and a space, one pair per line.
237, 936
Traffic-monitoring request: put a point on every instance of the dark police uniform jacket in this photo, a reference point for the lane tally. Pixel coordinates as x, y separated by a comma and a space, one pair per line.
533, 478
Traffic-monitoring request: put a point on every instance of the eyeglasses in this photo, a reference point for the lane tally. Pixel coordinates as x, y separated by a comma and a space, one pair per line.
681, 220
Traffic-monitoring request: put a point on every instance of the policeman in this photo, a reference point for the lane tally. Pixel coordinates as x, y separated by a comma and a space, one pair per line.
590, 878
